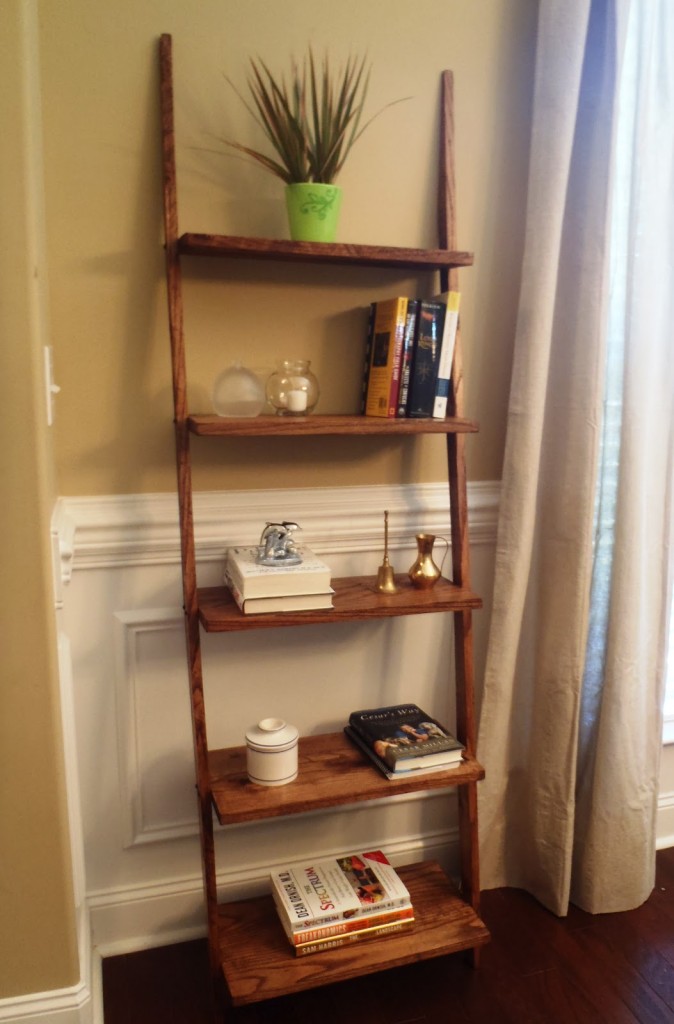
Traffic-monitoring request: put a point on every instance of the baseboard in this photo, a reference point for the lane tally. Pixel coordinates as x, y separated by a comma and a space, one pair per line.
76, 1004
62, 1006
126, 920
133, 918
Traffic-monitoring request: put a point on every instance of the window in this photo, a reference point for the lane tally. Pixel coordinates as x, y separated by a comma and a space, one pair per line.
668, 730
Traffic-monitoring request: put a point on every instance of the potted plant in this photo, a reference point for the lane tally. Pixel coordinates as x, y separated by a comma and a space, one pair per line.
311, 121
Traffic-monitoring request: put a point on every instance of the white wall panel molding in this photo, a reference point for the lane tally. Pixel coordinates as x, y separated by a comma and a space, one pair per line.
130, 629
129, 530
152, 813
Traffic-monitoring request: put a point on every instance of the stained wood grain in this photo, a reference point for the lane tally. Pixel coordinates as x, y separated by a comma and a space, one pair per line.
529, 973
458, 495
184, 485
235, 247
258, 962
331, 773
355, 599
210, 425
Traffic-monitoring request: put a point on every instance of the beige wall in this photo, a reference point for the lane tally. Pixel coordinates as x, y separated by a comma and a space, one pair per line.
99, 68
37, 919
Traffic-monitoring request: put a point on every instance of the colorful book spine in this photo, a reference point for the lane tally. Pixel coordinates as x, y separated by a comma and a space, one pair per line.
368, 355
318, 893
383, 385
309, 936
406, 359
446, 355
425, 357
380, 932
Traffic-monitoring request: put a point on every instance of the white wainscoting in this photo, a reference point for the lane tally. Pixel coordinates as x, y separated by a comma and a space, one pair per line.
126, 708
118, 595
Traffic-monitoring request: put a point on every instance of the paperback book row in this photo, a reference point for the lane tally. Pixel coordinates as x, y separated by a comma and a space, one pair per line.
331, 903
402, 740
408, 356
261, 588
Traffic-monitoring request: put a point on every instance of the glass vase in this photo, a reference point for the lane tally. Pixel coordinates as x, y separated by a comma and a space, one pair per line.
238, 392
292, 389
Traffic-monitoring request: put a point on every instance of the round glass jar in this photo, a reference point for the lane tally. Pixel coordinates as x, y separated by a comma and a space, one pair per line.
292, 389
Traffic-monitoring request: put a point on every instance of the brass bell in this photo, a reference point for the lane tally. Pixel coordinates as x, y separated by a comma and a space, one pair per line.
386, 583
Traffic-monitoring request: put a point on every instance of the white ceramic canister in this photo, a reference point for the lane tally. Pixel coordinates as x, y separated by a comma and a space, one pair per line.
271, 754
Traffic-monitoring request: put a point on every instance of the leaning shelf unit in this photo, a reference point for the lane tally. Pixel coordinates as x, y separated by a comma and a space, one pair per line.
249, 955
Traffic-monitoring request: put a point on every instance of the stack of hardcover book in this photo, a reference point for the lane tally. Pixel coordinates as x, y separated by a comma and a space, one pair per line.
408, 356
329, 903
284, 588
403, 739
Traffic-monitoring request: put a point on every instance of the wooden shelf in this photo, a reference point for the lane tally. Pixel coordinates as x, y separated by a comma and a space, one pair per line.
332, 772
292, 426
258, 963
235, 247
355, 600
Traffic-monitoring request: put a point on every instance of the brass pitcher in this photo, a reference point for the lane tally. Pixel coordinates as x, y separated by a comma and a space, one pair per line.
425, 573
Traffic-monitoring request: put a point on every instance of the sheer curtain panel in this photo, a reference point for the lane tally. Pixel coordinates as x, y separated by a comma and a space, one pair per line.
571, 744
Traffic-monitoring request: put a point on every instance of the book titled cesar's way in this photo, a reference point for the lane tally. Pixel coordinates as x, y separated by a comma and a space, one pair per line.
357, 885
410, 766
388, 332
310, 576
404, 733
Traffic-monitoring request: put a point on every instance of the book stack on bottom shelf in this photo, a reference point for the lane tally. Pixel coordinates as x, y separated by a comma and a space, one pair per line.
258, 588
331, 903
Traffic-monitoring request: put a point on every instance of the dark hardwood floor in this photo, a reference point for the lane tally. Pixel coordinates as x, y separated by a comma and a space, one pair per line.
538, 969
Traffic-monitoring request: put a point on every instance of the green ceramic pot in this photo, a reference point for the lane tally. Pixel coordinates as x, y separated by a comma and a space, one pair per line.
313, 211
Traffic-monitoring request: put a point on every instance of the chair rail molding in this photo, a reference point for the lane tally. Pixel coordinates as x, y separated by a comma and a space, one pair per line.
142, 529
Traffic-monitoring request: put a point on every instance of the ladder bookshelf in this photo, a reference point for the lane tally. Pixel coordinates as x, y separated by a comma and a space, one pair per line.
249, 955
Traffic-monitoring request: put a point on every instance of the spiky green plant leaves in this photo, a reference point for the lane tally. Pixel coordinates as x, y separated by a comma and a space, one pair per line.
311, 121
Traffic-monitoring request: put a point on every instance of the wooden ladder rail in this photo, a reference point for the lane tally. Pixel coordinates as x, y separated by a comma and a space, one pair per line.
184, 475
456, 465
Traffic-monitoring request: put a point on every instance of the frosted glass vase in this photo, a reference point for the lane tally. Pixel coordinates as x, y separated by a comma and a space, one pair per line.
238, 392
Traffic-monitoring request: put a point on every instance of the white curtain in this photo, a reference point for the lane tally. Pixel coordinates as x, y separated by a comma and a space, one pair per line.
570, 721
